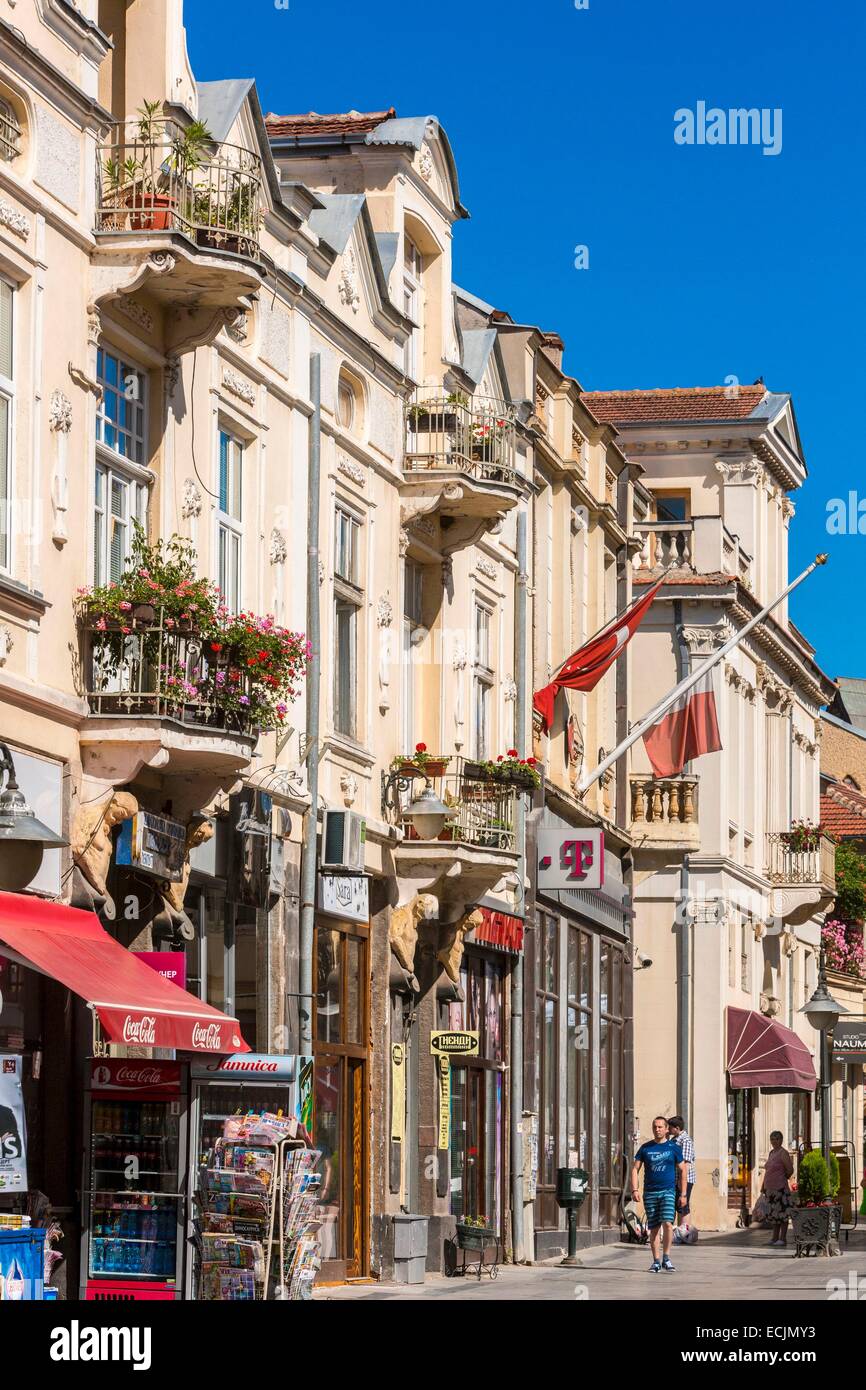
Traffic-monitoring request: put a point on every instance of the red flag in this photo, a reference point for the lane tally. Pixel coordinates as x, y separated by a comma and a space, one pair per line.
689, 729
585, 668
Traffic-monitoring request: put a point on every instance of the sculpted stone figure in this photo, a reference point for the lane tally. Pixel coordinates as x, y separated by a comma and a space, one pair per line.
91, 838
403, 927
450, 952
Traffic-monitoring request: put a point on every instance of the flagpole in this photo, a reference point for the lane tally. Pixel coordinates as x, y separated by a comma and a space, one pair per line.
611, 622
688, 681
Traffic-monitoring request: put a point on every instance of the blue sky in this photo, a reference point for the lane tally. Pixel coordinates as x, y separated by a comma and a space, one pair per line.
704, 262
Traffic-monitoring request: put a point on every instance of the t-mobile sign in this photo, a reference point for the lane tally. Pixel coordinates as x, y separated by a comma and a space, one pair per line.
170, 964
570, 858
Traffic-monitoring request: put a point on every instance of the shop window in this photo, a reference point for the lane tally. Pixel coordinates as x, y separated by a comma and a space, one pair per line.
7, 407
546, 1068
610, 1082
578, 1046
477, 1117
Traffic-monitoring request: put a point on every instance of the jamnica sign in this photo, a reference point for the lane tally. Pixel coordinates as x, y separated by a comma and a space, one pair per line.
141, 1031
208, 1038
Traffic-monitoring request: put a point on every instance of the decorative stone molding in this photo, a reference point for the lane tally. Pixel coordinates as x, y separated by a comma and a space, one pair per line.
133, 309
770, 1005
348, 286
425, 164
170, 376
91, 841
191, 502
403, 927
350, 468
384, 617
509, 688
403, 541
803, 741
451, 934
459, 662
58, 158
278, 549
349, 787
239, 386
238, 328
60, 412
488, 567
6, 644
94, 325
747, 471
384, 612
788, 508
321, 572
703, 641
738, 682
542, 396
13, 219
774, 690
425, 524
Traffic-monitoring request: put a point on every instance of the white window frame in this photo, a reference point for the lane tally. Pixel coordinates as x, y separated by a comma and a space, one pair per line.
7, 393
483, 679
135, 510
10, 131
348, 597
413, 265
136, 385
230, 523
413, 597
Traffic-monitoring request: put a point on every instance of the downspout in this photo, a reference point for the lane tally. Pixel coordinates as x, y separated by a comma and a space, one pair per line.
311, 748
684, 963
520, 838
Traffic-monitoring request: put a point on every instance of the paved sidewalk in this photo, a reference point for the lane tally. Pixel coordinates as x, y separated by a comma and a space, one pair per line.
734, 1267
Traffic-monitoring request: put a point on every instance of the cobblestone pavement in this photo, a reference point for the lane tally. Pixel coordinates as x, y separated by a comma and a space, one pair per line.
732, 1267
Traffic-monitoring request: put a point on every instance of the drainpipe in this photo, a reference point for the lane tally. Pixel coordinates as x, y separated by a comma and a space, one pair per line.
684, 963
311, 748
520, 838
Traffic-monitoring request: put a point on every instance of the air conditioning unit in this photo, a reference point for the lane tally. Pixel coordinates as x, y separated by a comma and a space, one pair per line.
343, 836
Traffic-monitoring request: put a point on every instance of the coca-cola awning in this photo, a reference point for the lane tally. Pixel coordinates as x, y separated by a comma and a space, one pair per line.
134, 1004
766, 1054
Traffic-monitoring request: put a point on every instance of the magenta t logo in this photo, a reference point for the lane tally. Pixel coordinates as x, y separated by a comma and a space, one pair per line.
576, 856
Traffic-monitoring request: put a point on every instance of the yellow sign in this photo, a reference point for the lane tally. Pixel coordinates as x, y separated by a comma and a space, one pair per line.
444, 1102
398, 1092
455, 1043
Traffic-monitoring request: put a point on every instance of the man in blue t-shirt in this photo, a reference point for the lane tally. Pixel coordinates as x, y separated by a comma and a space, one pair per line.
665, 1170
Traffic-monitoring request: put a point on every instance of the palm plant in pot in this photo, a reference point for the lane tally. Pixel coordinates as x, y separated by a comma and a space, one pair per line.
151, 201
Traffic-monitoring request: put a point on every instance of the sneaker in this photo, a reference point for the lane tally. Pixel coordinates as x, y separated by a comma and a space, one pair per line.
655, 1267
667, 1266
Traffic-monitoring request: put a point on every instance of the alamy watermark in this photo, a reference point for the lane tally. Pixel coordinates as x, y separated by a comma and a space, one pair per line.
846, 516
739, 125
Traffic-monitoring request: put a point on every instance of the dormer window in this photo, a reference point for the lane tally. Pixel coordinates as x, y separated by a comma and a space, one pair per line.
10, 131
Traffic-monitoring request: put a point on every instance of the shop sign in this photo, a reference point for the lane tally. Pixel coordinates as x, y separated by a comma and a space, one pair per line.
398, 1093
459, 1044
499, 930
444, 1102
171, 965
849, 1042
570, 858
153, 844
346, 896
13, 1133
265, 1065
133, 1074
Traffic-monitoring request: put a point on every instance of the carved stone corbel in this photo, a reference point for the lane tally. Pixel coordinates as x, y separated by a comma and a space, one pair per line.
451, 935
91, 839
403, 927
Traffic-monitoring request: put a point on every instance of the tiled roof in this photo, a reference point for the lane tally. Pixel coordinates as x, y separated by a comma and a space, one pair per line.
676, 403
678, 577
843, 811
340, 123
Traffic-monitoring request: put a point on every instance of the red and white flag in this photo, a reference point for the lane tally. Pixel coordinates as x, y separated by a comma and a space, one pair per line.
688, 729
584, 668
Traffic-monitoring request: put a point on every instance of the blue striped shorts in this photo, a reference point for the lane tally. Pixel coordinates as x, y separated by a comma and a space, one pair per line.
659, 1207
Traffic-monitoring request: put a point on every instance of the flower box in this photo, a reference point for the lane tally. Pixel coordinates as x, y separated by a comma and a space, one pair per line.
474, 1237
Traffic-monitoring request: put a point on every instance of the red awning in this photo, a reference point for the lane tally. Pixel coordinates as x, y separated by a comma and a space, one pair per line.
134, 1004
766, 1054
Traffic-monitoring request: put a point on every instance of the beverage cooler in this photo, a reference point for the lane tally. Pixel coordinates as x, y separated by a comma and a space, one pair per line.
224, 1086
134, 1179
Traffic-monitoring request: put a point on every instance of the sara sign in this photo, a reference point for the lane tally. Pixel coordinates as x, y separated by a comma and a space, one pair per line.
849, 1042
570, 858
456, 1043
346, 896
13, 1135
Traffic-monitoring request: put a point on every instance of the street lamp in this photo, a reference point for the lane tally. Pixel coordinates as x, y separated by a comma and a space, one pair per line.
823, 1012
23, 837
427, 814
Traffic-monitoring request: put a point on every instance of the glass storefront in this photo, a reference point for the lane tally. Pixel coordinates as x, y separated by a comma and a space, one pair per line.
477, 1119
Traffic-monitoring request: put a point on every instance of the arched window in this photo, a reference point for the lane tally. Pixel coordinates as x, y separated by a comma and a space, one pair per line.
10, 131
350, 403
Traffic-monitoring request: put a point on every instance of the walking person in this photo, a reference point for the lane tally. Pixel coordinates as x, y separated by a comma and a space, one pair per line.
665, 1174
776, 1188
678, 1132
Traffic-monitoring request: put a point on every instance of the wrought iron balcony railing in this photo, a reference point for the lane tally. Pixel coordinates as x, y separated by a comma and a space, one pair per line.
812, 864
474, 436
168, 672
482, 811
152, 181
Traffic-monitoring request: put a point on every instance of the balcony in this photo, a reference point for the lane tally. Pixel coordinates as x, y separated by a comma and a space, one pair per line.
157, 697
802, 881
177, 216
459, 459
664, 811
478, 846
665, 544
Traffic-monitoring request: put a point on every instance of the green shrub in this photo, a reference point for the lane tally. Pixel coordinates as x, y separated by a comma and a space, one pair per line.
834, 1176
813, 1180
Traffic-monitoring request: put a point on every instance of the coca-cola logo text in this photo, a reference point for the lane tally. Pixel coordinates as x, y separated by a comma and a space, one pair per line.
208, 1038
140, 1030
139, 1076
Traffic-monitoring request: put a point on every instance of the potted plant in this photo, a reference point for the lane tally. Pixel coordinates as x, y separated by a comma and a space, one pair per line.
474, 1233
803, 837
811, 1218
438, 416
151, 207
507, 768
421, 762
227, 222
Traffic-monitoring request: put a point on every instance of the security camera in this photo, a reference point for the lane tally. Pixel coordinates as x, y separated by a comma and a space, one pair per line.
641, 961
